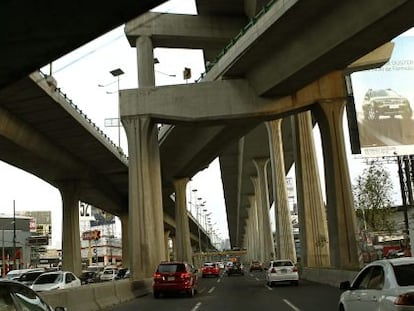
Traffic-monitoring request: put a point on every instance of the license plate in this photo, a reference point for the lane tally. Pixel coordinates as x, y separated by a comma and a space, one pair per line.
394, 106
170, 278
283, 271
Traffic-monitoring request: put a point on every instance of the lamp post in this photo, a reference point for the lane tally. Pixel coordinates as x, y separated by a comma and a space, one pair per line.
117, 73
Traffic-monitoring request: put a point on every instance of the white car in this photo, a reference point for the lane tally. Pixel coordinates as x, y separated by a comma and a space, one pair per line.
386, 284
108, 274
283, 270
55, 280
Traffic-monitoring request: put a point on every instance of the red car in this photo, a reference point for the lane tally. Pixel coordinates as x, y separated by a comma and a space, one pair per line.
210, 269
174, 277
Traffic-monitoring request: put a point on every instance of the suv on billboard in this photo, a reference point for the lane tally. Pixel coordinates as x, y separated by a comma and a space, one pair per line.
385, 102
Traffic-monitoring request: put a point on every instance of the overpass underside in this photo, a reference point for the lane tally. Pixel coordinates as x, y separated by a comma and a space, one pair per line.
255, 108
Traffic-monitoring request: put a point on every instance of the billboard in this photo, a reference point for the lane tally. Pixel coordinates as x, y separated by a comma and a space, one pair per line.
384, 103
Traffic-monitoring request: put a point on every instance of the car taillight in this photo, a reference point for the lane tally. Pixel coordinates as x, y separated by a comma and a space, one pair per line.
295, 269
157, 276
406, 299
185, 275
273, 270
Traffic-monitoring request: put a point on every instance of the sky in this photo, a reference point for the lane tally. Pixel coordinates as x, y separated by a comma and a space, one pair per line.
79, 75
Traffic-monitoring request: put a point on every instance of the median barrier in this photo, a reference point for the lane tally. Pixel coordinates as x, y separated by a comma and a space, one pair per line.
328, 276
82, 299
105, 294
123, 290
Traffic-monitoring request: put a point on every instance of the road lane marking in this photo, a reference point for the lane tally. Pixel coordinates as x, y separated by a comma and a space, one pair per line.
211, 290
291, 305
218, 280
196, 306
257, 279
268, 287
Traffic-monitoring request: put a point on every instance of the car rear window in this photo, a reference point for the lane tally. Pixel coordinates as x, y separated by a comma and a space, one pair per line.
49, 278
282, 264
404, 274
171, 268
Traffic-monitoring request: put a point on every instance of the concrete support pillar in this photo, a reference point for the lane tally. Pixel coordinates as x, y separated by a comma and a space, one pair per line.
344, 252
146, 226
259, 214
71, 249
254, 232
264, 207
145, 59
284, 232
182, 229
174, 248
166, 243
124, 231
312, 214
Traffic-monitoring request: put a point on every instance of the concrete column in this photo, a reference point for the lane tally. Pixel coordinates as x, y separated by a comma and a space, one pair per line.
344, 252
259, 214
312, 214
264, 207
174, 248
284, 231
125, 255
71, 248
166, 243
182, 230
146, 226
145, 60
255, 236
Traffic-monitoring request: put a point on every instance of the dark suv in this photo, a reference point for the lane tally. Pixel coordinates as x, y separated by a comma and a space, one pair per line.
235, 268
385, 102
174, 277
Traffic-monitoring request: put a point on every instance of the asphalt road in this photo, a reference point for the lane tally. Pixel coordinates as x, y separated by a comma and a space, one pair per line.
248, 292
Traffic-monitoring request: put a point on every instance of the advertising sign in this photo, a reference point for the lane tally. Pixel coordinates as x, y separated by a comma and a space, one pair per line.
384, 102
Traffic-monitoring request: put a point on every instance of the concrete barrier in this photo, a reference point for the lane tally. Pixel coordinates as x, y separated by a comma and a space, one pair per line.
328, 276
105, 294
97, 296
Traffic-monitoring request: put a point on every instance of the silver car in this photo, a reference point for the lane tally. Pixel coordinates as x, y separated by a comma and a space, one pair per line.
385, 285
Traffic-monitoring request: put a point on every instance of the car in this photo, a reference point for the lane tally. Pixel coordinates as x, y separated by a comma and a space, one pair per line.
122, 273
235, 268
15, 274
256, 266
385, 284
385, 102
175, 277
220, 264
108, 274
29, 277
88, 277
16, 296
282, 271
210, 269
55, 280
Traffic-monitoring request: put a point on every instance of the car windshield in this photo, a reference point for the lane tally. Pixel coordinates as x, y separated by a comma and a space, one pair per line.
384, 93
30, 276
109, 272
209, 264
171, 268
404, 274
49, 278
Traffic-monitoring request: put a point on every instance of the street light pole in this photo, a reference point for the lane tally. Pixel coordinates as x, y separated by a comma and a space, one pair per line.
117, 73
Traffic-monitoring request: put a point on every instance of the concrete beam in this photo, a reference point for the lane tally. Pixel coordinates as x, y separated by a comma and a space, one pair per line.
184, 31
223, 101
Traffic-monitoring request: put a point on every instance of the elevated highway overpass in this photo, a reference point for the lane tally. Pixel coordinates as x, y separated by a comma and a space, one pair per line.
267, 54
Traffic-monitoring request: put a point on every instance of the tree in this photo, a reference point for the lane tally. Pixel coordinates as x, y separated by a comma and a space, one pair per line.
373, 198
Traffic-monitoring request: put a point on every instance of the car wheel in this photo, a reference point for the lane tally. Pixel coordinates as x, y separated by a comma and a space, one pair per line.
341, 307
156, 294
407, 114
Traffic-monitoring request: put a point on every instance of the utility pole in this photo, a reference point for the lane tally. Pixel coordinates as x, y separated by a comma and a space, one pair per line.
14, 236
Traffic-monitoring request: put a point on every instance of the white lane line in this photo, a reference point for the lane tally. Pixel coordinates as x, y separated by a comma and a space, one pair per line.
268, 287
218, 280
211, 290
257, 279
196, 306
291, 305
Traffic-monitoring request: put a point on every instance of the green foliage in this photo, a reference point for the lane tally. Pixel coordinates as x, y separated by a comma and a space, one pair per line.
373, 198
